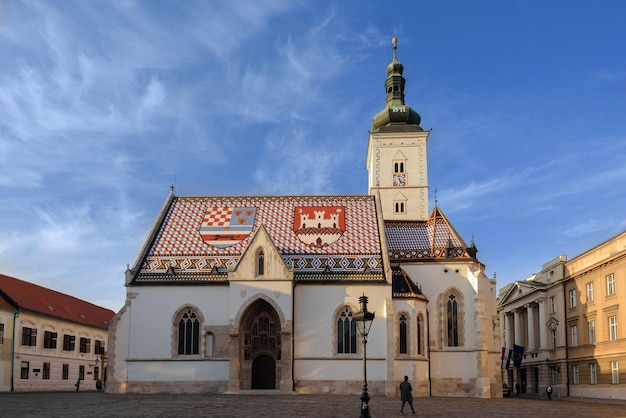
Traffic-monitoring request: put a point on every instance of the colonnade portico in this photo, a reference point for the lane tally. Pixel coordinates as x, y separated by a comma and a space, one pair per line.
526, 326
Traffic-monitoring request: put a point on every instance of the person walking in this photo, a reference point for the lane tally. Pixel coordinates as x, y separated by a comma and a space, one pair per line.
77, 384
406, 395
549, 392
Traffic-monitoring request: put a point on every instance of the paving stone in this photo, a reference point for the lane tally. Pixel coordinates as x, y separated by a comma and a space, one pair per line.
93, 404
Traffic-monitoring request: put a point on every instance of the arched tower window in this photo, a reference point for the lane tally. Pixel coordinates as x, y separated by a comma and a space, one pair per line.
260, 263
402, 333
188, 332
399, 207
399, 161
346, 332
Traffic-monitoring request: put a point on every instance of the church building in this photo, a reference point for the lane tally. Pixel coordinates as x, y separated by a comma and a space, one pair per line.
234, 293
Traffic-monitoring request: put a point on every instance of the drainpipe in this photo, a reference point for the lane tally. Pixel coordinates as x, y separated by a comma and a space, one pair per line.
293, 320
15, 315
566, 347
430, 384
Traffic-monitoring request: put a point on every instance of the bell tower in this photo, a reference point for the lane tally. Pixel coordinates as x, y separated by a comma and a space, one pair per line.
396, 153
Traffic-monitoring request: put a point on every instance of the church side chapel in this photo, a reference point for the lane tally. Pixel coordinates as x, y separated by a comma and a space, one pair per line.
237, 293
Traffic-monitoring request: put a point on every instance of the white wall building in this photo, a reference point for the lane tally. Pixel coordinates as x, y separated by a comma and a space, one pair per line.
48, 340
231, 293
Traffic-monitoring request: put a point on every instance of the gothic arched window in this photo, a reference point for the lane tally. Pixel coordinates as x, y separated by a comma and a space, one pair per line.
260, 263
346, 332
452, 316
402, 332
188, 332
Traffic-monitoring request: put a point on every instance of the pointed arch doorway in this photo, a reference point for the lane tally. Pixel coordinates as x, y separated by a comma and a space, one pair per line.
261, 343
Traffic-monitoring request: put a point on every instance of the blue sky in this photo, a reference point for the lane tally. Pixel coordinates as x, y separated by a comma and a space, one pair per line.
103, 105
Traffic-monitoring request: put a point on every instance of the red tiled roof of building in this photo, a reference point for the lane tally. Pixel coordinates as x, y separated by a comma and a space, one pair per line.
311, 233
35, 298
4, 303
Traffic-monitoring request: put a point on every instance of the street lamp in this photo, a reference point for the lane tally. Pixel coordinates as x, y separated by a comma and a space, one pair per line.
364, 320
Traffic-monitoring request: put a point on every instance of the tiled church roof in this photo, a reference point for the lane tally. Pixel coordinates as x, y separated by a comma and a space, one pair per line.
403, 286
31, 297
191, 246
418, 240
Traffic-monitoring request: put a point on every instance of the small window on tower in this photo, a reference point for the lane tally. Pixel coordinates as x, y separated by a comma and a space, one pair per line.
398, 167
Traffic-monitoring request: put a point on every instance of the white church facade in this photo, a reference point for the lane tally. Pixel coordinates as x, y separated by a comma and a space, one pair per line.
233, 293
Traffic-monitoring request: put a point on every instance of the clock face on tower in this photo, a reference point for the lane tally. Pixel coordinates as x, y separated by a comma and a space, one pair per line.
399, 179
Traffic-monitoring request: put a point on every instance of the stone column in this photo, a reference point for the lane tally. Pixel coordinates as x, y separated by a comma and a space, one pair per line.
508, 342
518, 327
531, 326
543, 330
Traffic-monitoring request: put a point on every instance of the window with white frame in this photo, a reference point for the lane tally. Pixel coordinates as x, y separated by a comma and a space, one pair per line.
592, 331
572, 298
593, 374
85, 345
24, 370
612, 328
553, 333
49, 339
575, 374
615, 372
574, 333
29, 336
590, 292
610, 284
552, 304
69, 342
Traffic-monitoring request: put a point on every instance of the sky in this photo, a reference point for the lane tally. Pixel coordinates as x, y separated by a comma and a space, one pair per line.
104, 105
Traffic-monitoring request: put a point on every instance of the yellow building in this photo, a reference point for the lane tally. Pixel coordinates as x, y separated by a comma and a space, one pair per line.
532, 316
595, 292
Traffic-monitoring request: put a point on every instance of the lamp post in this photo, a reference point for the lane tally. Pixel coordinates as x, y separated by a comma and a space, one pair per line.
364, 320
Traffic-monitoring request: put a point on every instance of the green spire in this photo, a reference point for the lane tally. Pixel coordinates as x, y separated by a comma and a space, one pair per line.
396, 115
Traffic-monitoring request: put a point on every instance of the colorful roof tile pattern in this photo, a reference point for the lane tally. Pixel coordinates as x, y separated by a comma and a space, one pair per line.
418, 240
403, 286
347, 237
31, 297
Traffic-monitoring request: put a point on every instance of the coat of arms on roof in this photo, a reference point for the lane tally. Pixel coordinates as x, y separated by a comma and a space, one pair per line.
226, 226
319, 226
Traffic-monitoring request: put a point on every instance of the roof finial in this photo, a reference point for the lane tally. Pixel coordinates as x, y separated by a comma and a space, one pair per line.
394, 41
435, 198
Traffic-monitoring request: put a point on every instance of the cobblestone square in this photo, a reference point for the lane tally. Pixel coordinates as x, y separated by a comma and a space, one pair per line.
91, 404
